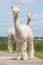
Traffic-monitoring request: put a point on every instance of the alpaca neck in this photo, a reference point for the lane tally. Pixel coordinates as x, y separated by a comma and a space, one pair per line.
17, 24
28, 21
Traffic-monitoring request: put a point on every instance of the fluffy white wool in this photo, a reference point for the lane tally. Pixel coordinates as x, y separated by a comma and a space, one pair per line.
22, 34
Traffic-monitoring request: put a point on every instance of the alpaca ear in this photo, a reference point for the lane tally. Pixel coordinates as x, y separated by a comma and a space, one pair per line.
20, 6
31, 12
26, 13
12, 7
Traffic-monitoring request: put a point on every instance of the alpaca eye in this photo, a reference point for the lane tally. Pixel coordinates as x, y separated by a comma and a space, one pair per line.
13, 11
30, 15
18, 11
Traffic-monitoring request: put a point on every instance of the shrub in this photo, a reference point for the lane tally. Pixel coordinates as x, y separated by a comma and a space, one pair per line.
38, 44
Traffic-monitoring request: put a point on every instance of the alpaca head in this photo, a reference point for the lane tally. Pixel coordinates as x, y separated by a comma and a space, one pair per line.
15, 11
29, 15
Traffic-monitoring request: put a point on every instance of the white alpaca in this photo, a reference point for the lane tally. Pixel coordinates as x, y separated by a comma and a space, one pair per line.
11, 36
23, 34
11, 33
29, 17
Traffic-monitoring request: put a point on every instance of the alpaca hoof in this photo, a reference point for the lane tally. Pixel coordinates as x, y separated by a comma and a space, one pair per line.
13, 52
25, 59
21, 59
31, 58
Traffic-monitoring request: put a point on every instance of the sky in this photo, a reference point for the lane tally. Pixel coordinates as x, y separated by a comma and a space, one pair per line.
6, 18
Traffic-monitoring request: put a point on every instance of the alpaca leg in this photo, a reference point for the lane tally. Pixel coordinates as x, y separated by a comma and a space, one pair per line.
24, 52
19, 47
31, 49
10, 43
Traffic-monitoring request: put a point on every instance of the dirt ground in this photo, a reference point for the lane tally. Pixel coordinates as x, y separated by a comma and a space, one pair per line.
7, 58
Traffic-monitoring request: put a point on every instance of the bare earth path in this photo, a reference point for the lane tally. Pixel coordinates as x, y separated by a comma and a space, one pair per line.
9, 59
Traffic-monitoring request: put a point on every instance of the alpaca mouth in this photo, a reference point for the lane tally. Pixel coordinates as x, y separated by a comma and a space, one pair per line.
16, 14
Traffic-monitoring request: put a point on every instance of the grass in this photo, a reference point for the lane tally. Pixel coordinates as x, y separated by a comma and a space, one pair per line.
39, 55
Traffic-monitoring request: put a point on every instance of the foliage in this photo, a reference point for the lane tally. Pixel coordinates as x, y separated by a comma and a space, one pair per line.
4, 43
38, 44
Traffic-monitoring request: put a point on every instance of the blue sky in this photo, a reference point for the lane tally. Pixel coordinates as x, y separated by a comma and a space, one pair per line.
6, 18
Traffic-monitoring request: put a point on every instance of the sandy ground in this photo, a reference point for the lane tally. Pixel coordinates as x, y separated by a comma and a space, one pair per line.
7, 58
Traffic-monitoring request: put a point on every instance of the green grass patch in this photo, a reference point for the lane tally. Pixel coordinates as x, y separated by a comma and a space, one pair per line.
39, 55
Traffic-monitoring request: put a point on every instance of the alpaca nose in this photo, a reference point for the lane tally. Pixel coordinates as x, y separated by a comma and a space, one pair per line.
15, 13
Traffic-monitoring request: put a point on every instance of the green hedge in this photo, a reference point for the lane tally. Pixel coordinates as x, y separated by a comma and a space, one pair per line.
38, 44
4, 44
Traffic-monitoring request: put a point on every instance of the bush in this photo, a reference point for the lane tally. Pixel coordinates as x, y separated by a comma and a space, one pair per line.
38, 44
4, 44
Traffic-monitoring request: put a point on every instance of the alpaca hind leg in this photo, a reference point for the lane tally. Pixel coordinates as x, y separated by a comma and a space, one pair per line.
31, 49
10, 44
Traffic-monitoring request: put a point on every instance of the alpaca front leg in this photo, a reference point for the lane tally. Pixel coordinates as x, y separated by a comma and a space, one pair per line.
31, 49
24, 52
19, 47
10, 45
